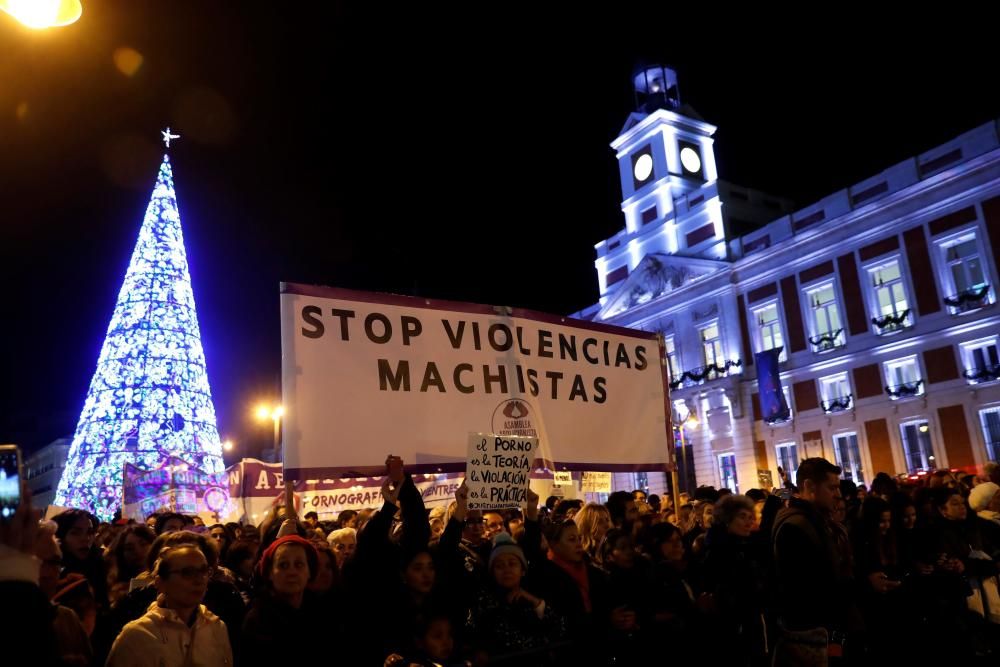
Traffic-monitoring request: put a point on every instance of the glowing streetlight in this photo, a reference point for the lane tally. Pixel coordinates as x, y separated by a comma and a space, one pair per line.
227, 445
40, 14
265, 412
692, 421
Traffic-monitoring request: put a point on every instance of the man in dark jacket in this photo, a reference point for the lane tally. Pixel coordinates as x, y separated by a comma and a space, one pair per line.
813, 597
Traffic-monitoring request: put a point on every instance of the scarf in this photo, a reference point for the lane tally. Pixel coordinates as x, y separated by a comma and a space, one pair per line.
578, 571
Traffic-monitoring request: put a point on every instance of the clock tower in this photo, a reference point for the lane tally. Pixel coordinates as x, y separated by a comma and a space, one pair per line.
666, 163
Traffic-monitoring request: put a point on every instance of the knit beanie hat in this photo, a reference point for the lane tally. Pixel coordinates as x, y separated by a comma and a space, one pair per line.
981, 496
267, 558
504, 544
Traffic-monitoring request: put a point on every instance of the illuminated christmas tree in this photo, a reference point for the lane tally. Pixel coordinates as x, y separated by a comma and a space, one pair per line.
149, 399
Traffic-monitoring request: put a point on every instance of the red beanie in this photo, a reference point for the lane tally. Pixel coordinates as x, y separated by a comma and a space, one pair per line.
267, 558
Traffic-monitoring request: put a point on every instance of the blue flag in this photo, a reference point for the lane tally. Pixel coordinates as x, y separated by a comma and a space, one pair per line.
772, 399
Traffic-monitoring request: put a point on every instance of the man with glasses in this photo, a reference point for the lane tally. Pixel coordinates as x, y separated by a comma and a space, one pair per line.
177, 629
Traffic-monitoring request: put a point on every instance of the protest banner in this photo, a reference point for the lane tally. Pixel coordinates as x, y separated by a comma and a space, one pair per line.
177, 487
256, 486
497, 470
365, 375
596, 482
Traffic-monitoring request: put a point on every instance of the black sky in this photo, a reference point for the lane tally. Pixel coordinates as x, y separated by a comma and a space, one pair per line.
455, 156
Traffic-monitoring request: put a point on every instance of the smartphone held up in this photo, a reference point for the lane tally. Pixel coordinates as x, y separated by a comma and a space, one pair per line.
10, 480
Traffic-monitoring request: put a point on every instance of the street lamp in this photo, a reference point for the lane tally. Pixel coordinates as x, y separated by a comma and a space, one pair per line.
227, 445
39, 14
274, 413
690, 420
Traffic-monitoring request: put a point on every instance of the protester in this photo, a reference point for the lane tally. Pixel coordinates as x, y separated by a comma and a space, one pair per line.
127, 559
177, 629
593, 521
284, 611
76, 533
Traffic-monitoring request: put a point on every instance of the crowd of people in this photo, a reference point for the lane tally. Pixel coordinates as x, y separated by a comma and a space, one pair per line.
817, 572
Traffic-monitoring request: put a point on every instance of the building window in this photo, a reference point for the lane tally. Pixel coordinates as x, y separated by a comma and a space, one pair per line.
711, 344
966, 274
845, 448
769, 329
836, 393
917, 447
902, 378
892, 308
982, 361
616, 276
727, 472
828, 330
673, 364
990, 419
648, 215
788, 458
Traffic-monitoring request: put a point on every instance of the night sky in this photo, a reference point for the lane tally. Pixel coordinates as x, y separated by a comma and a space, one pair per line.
455, 156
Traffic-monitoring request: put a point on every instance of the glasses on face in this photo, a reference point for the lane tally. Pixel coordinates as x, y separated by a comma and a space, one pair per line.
193, 573
474, 522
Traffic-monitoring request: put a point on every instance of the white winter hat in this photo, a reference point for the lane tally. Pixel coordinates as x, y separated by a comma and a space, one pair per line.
982, 495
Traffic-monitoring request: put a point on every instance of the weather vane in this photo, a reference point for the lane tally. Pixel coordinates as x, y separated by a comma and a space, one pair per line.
167, 137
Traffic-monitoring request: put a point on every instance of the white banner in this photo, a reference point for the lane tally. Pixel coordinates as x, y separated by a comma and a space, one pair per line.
366, 375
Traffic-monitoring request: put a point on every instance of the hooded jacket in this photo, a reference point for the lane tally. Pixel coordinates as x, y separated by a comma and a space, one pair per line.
161, 638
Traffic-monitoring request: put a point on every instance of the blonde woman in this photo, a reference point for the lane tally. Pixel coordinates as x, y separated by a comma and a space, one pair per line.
593, 522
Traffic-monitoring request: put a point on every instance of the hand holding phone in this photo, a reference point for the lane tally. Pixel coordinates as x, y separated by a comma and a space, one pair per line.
10, 481
18, 521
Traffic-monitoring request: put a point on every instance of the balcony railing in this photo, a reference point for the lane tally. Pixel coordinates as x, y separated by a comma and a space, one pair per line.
837, 404
784, 417
828, 341
905, 390
703, 374
982, 374
968, 300
892, 323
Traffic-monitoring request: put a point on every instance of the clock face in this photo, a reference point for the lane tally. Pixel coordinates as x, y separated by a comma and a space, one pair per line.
643, 167
690, 160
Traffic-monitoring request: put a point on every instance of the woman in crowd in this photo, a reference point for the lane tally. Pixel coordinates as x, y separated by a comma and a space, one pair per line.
240, 561
343, 542
734, 575
953, 547
327, 575
284, 611
674, 617
627, 593
593, 521
880, 572
224, 536
127, 559
177, 629
76, 532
